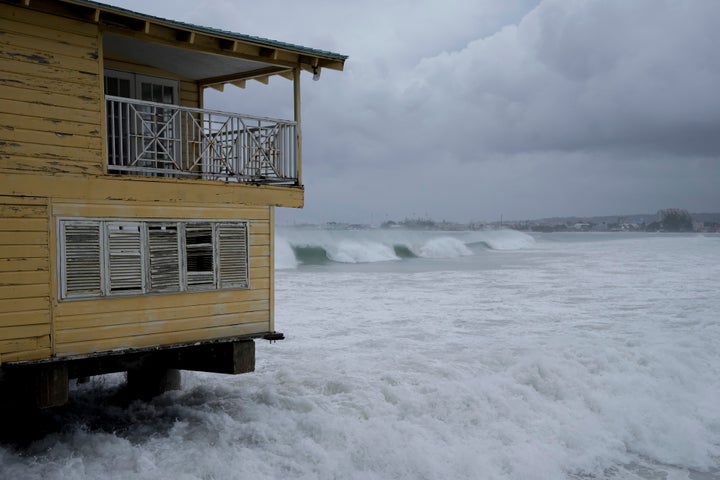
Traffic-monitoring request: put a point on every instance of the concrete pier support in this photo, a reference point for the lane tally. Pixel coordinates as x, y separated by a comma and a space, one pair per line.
149, 373
148, 382
40, 386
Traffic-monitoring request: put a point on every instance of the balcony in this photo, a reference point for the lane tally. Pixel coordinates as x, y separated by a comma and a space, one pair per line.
159, 140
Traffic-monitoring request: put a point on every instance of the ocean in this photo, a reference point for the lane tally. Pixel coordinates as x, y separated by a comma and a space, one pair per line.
437, 355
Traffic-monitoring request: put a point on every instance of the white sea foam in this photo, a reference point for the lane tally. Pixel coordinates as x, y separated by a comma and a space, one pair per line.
350, 251
444, 247
576, 360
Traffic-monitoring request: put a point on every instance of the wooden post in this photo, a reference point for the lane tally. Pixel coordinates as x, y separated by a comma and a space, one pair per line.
51, 386
298, 124
272, 269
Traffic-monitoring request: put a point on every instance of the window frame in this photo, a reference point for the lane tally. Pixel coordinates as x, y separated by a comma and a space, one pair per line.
130, 142
106, 225
137, 79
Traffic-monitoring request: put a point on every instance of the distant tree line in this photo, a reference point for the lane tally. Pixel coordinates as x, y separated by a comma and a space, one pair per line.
672, 220
667, 220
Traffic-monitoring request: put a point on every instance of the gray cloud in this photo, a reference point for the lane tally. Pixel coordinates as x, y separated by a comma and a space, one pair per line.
580, 75
471, 109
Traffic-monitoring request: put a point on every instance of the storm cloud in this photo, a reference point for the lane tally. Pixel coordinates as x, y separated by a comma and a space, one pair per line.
468, 110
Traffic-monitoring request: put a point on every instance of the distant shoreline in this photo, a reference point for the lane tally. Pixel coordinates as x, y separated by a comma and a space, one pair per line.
695, 222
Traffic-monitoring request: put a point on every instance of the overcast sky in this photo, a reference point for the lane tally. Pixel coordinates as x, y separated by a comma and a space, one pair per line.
467, 110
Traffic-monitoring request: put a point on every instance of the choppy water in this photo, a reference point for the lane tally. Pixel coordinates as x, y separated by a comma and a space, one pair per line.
414, 355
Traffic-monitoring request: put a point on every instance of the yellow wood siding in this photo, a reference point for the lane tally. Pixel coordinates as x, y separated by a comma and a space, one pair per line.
24, 279
52, 165
51, 90
141, 189
92, 325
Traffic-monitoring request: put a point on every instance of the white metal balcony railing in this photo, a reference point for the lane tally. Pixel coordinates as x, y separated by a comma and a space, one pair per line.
156, 139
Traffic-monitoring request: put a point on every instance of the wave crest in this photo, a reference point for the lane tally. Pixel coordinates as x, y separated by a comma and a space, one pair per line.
303, 246
504, 239
350, 251
444, 247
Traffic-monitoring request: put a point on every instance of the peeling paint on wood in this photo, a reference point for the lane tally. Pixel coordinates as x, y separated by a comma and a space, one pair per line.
33, 58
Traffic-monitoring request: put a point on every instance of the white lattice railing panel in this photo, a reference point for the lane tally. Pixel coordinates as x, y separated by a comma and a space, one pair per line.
155, 139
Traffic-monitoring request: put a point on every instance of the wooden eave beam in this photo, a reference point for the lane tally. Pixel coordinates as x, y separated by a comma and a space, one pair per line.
271, 53
236, 48
202, 43
229, 45
69, 9
261, 75
186, 36
307, 63
338, 65
167, 32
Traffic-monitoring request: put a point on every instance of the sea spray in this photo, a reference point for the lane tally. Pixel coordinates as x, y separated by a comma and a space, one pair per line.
573, 360
284, 255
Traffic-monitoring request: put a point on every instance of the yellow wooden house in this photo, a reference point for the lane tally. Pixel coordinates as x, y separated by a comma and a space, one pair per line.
136, 226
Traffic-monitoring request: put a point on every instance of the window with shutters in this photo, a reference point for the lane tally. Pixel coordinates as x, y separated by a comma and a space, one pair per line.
124, 258
164, 257
112, 258
82, 272
199, 254
233, 254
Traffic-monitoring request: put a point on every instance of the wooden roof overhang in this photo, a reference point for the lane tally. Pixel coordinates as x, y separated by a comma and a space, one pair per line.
208, 56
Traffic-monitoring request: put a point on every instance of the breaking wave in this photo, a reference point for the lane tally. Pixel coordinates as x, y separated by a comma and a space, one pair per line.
314, 246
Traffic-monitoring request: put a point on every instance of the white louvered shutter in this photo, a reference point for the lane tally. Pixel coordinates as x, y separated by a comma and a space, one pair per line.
164, 257
82, 260
233, 254
199, 257
125, 258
